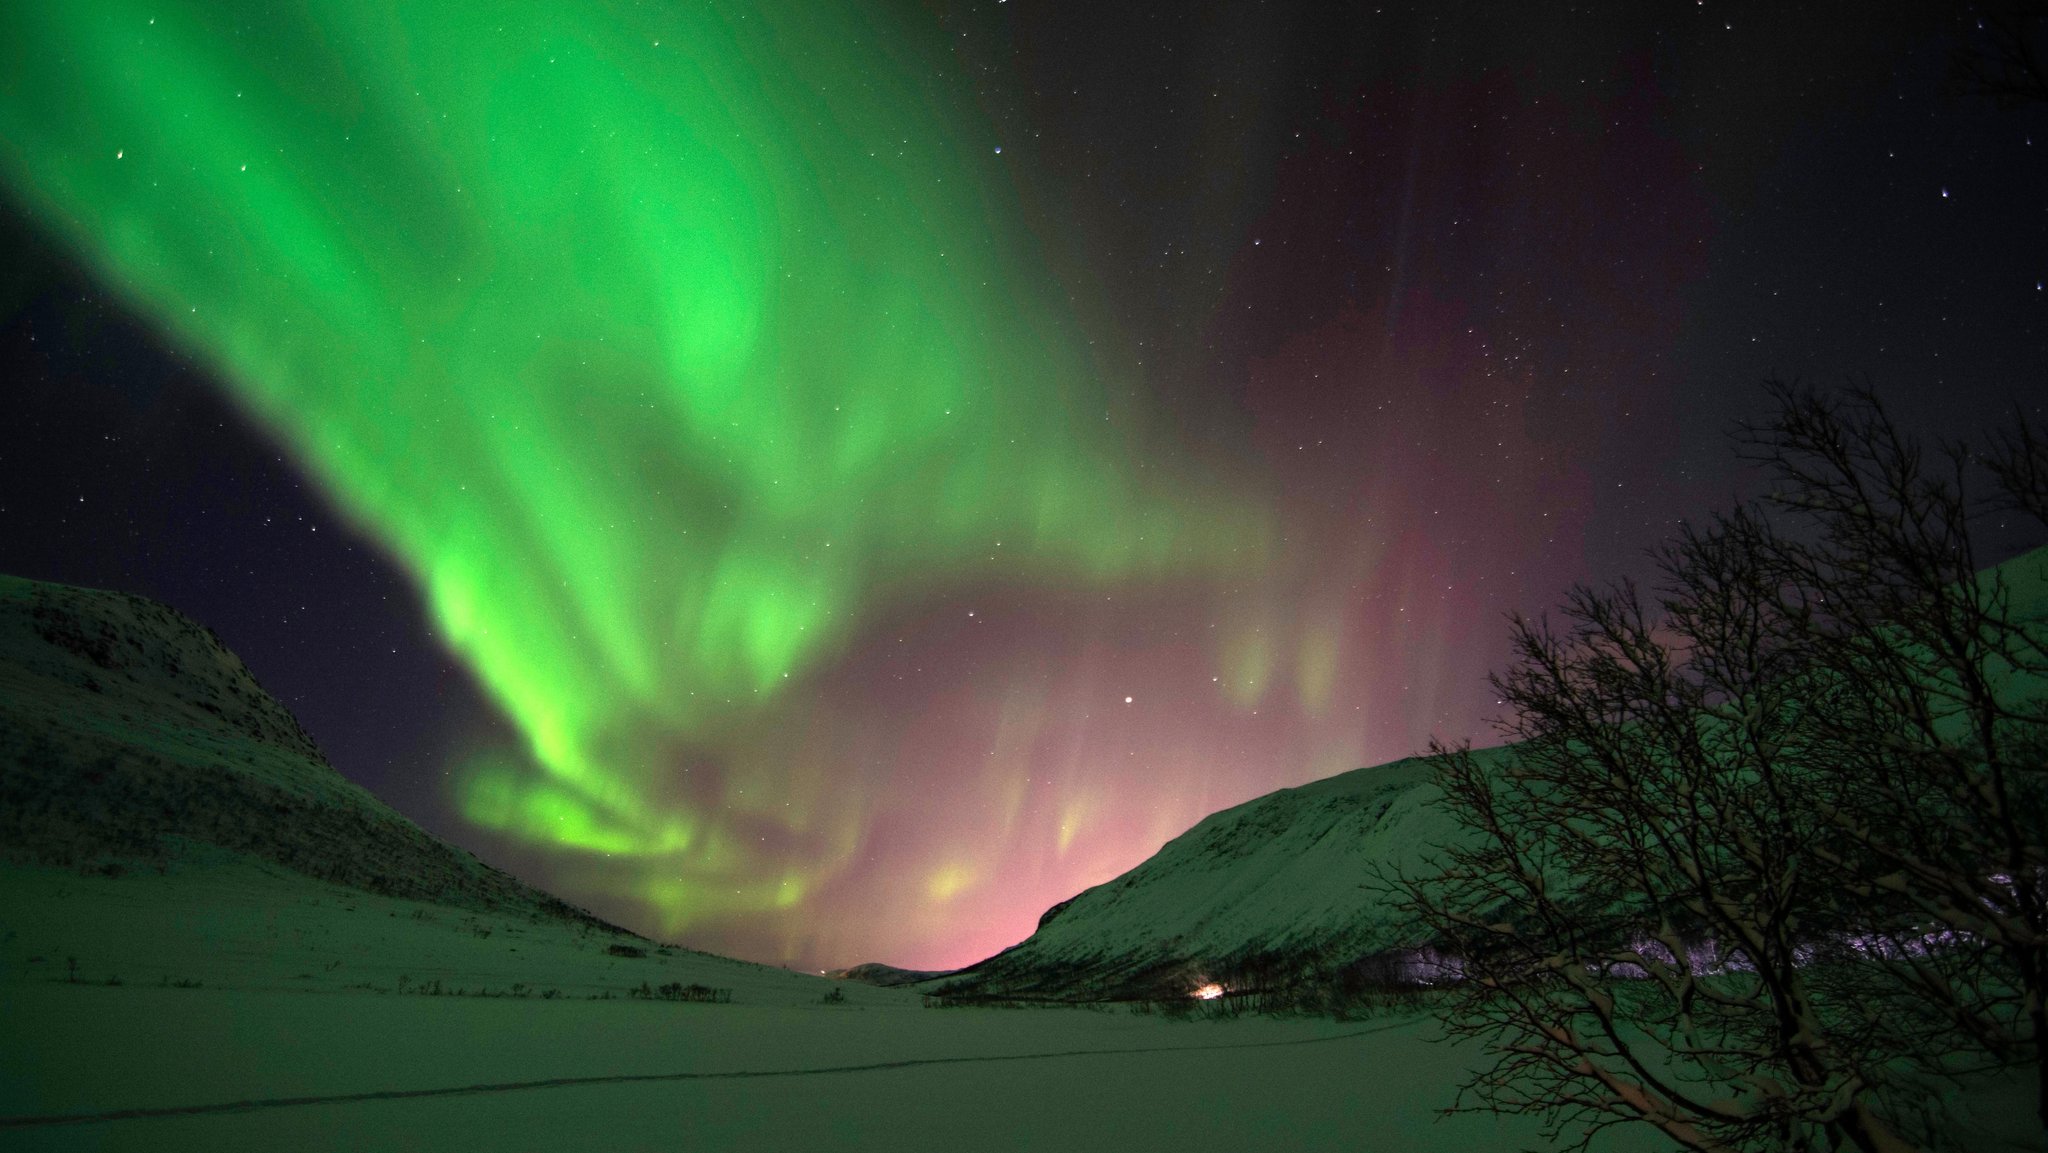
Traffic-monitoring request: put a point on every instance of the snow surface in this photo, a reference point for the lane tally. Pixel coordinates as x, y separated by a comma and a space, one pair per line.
242, 981
719, 1077
254, 926
244, 984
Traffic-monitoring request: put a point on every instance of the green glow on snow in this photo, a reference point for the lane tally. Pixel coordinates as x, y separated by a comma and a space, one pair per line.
658, 342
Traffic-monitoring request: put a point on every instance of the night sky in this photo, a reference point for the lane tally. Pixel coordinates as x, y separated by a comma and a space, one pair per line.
824, 484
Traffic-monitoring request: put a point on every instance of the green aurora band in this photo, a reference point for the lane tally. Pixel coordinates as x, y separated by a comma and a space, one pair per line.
661, 344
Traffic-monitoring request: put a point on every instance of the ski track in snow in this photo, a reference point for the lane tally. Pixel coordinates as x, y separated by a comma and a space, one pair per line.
636, 1078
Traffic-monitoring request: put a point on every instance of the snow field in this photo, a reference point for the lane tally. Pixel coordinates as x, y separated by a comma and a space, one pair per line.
1291, 1084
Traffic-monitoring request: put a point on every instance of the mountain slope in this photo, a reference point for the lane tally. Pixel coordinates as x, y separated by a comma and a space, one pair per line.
129, 736
1272, 893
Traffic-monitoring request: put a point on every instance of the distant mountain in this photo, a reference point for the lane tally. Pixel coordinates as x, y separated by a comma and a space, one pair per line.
1273, 894
130, 737
884, 976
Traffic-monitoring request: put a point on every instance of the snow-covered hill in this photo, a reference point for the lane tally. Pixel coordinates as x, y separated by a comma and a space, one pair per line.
1279, 893
164, 821
1273, 893
131, 738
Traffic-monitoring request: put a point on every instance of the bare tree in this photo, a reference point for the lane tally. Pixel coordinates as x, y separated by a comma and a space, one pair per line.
1765, 852
1932, 756
2000, 54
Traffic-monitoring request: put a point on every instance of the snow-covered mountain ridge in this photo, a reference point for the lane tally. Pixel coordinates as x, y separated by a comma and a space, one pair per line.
1273, 892
130, 736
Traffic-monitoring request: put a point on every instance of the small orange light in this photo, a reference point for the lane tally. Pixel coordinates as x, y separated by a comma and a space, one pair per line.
1209, 992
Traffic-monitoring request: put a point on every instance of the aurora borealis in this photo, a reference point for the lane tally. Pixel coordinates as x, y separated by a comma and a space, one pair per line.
654, 350
885, 468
